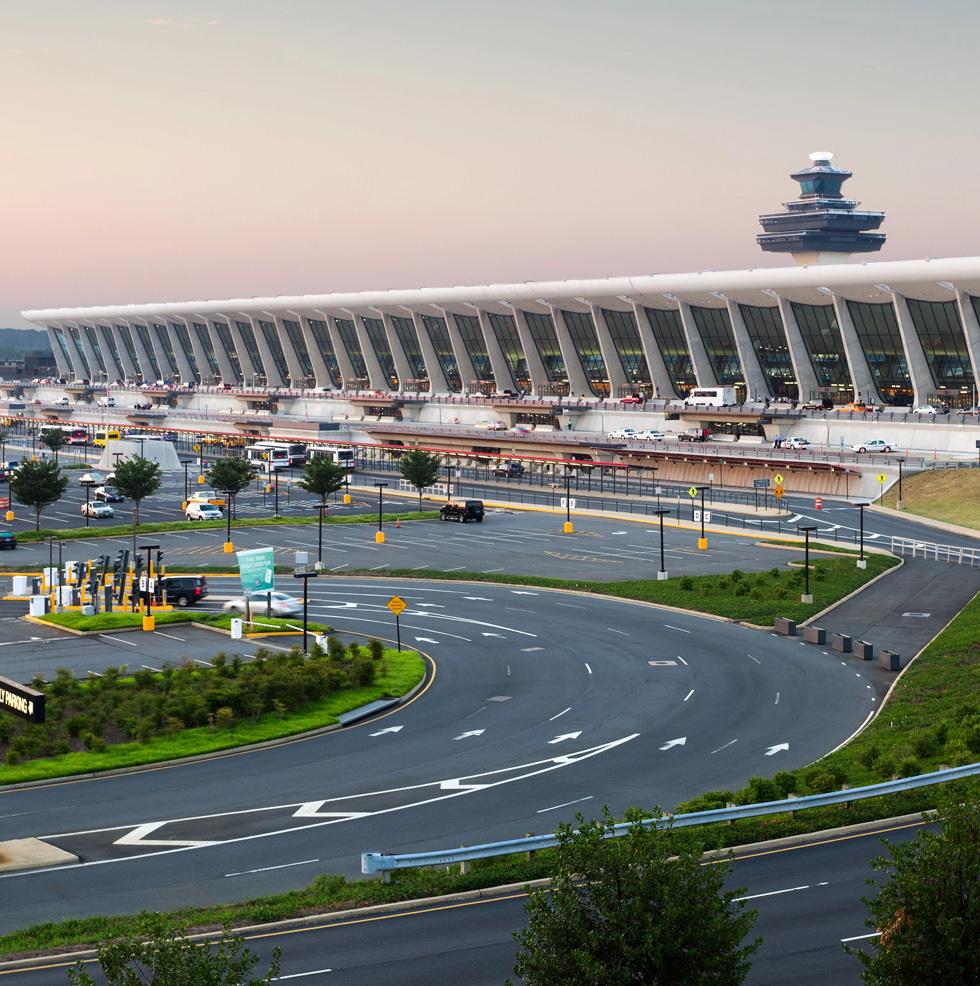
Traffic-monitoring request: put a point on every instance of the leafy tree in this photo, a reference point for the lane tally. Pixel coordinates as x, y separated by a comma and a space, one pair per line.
53, 439
625, 911
37, 485
928, 908
161, 955
137, 478
420, 468
230, 476
321, 477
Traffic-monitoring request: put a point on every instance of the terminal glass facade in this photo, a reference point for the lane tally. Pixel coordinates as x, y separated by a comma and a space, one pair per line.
274, 344
295, 333
408, 338
439, 337
109, 346
184, 339
76, 341
348, 336
228, 345
824, 345
715, 328
877, 331
545, 340
375, 328
768, 336
585, 342
165, 346
247, 333
474, 344
626, 341
93, 345
668, 333
127, 338
505, 332
321, 337
143, 332
937, 324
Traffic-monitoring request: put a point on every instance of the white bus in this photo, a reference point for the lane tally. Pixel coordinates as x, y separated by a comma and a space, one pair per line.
711, 397
267, 459
341, 455
295, 450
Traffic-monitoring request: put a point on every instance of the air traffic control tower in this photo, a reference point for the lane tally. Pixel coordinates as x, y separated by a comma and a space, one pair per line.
822, 227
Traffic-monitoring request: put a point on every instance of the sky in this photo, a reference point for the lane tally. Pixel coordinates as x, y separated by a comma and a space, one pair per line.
160, 151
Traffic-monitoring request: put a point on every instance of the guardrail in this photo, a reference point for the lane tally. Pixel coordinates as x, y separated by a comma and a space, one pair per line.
937, 552
384, 863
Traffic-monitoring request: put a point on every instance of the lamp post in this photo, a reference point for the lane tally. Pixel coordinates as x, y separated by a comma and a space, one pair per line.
305, 576
900, 505
88, 489
862, 563
148, 620
807, 598
568, 505
380, 536
319, 554
662, 574
702, 541
347, 493
230, 499
186, 487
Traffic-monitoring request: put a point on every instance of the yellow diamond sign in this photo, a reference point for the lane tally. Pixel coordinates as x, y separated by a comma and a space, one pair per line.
882, 478
778, 477
779, 491
396, 604
693, 491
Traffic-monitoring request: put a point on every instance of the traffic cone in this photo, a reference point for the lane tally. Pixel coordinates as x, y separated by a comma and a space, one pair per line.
398, 522
819, 504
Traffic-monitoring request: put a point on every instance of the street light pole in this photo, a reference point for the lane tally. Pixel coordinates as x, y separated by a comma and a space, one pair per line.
319, 555
861, 561
148, 621
807, 598
305, 576
900, 505
230, 499
662, 574
88, 489
186, 487
380, 536
276, 472
568, 505
703, 541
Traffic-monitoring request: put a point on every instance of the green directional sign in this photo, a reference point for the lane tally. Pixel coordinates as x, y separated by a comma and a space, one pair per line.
256, 569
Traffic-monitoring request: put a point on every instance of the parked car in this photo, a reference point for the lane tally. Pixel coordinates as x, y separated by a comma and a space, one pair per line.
622, 434
91, 479
282, 604
462, 512
873, 445
107, 402
818, 404
649, 435
108, 494
182, 590
796, 442
96, 509
507, 470
197, 510
859, 406
633, 399
695, 435
142, 406
62, 402
928, 409
8, 540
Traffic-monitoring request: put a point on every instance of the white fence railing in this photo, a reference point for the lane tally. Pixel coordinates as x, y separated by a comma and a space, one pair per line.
376, 862
937, 552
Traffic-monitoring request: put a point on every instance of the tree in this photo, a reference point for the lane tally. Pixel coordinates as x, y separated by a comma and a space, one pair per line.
137, 478
928, 908
158, 954
54, 439
420, 468
38, 485
230, 476
321, 477
625, 911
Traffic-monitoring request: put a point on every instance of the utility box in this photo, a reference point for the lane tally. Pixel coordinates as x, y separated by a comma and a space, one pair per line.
39, 605
20, 585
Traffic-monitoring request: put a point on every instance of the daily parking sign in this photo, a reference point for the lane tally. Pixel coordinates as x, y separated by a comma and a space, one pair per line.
256, 568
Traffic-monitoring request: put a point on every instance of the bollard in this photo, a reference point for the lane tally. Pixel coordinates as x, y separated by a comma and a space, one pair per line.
864, 650
841, 643
814, 635
889, 660
784, 626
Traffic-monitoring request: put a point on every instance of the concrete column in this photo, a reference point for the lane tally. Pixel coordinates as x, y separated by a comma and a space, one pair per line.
272, 375
806, 377
343, 357
663, 385
142, 356
296, 373
467, 372
109, 350
756, 381
971, 329
704, 372
922, 382
398, 353
65, 369
244, 360
320, 370
376, 375
862, 378
610, 355
437, 379
502, 377
184, 367
535, 365
224, 363
577, 382
159, 355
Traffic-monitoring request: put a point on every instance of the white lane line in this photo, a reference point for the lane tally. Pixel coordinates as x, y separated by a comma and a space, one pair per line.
565, 805
613, 630
777, 699
587, 668
170, 534
116, 639
720, 748
299, 975
757, 661
774, 893
681, 659
682, 630
281, 866
569, 605
560, 714
689, 694
160, 633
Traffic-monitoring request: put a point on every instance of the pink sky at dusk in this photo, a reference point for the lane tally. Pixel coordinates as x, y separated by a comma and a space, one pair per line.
157, 151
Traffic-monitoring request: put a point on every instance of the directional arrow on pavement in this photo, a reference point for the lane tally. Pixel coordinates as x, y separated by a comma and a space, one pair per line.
478, 599
503, 636
390, 729
433, 605
426, 640
472, 732
565, 736
675, 742
776, 749
518, 592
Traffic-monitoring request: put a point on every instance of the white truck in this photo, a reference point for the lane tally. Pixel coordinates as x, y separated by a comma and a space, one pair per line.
711, 397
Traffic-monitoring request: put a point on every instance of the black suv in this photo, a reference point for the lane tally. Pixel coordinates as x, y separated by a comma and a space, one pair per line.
183, 590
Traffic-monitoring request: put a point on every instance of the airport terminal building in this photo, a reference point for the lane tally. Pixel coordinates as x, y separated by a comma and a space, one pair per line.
898, 333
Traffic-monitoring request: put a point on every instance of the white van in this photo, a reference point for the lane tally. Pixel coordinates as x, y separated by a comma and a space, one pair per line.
711, 397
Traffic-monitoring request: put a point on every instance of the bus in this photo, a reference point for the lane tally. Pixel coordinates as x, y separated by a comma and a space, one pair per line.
341, 455
103, 436
77, 436
295, 450
711, 397
267, 459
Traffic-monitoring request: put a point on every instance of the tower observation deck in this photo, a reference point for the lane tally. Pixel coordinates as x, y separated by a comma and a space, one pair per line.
822, 227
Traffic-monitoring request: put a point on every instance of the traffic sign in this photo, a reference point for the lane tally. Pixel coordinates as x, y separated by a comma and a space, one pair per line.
761, 484
693, 492
778, 478
779, 491
882, 478
197, 448
396, 604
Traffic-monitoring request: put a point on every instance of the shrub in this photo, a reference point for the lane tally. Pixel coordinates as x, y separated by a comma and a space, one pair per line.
821, 783
686, 583
737, 575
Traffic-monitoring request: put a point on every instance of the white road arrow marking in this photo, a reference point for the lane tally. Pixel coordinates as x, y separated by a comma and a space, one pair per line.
434, 605
472, 732
528, 650
136, 837
478, 599
457, 785
501, 635
566, 736
390, 729
339, 605
674, 742
518, 592
427, 640
312, 810
776, 749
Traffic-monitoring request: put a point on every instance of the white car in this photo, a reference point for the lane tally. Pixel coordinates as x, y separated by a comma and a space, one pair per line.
649, 435
927, 409
282, 604
96, 509
202, 511
107, 402
91, 479
623, 434
874, 445
796, 442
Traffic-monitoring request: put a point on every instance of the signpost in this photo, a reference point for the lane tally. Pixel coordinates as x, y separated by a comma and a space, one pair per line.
396, 604
257, 570
882, 479
21, 700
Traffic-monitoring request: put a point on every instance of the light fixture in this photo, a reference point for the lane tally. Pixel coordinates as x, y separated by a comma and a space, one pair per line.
884, 287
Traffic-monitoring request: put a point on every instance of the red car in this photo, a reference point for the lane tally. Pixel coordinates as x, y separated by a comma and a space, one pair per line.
633, 399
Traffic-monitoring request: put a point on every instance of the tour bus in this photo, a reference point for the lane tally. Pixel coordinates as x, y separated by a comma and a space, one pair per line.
711, 397
103, 436
77, 436
341, 455
295, 450
266, 458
